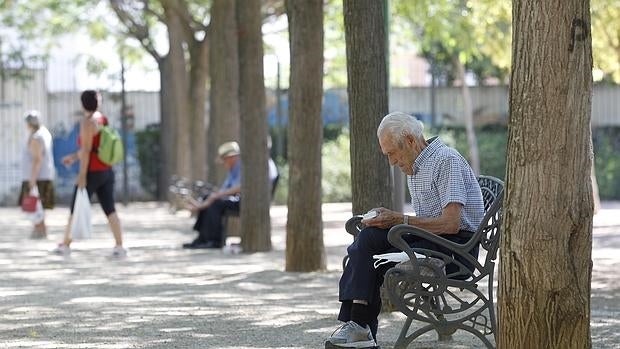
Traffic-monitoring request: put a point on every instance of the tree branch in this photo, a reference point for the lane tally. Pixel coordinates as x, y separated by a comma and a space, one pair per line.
191, 25
150, 11
139, 31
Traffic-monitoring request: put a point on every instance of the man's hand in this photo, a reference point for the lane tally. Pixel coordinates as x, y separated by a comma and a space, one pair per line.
195, 206
210, 200
32, 184
190, 206
385, 218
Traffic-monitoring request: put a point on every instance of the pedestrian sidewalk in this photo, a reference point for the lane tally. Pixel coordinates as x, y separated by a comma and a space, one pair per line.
164, 297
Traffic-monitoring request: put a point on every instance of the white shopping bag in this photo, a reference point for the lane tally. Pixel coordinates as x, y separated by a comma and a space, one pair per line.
38, 215
81, 227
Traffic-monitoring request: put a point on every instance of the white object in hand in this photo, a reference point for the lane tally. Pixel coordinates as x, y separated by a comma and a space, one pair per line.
370, 214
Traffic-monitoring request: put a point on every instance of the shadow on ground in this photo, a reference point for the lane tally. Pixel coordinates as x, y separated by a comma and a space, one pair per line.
164, 297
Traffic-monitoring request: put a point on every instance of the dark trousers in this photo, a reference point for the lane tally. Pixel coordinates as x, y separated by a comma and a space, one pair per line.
209, 223
361, 281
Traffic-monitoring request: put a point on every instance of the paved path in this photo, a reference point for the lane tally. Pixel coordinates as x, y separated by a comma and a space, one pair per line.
164, 297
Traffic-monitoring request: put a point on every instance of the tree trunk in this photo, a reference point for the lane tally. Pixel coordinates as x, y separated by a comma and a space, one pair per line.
368, 102
178, 95
167, 130
199, 71
545, 269
472, 142
304, 229
255, 186
224, 91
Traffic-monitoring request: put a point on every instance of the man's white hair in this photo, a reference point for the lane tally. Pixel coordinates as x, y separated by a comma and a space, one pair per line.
399, 124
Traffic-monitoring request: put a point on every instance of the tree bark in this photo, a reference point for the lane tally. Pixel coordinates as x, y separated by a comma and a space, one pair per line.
472, 142
545, 269
167, 130
304, 229
178, 94
368, 102
255, 186
198, 74
224, 92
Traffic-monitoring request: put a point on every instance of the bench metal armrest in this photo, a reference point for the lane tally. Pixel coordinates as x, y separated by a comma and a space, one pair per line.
354, 225
396, 238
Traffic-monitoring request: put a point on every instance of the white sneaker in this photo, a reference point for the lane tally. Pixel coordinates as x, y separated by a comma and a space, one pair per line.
351, 335
62, 250
119, 252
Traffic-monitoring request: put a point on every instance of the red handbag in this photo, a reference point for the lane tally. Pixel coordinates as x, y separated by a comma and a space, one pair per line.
29, 203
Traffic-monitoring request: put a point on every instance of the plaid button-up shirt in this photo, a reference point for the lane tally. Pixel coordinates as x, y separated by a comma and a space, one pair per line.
441, 176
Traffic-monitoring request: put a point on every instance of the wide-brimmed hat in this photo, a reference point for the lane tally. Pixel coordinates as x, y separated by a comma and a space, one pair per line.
228, 149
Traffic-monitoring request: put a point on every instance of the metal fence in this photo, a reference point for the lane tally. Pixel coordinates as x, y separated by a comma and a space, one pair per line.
61, 111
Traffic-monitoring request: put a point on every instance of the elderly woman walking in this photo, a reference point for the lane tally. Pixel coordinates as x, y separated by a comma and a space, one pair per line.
38, 169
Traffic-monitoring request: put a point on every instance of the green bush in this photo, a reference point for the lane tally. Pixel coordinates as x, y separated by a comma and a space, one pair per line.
606, 142
336, 174
281, 194
491, 146
336, 181
149, 157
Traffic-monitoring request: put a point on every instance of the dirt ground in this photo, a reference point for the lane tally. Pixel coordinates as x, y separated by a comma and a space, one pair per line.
164, 297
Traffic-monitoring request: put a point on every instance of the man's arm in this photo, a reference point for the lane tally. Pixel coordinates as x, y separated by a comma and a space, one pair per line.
447, 223
197, 206
228, 192
36, 151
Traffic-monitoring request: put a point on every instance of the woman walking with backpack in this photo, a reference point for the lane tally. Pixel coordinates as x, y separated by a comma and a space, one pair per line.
94, 175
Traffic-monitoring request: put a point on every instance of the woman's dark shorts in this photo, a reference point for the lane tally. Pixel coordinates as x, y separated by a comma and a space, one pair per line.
102, 183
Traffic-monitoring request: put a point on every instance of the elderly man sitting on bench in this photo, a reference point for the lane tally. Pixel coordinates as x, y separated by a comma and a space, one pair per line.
447, 200
211, 211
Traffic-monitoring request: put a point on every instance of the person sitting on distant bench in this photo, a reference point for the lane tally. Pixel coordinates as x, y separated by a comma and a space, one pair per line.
211, 211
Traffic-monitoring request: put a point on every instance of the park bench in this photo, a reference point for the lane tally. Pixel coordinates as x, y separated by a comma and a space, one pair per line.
232, 220
439, 289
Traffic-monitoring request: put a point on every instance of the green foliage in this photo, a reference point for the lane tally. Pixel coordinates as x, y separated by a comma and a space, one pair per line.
336, 174
491, 145
606, 143
281, 194
476, 33
335, 58
606, 38
149, 157
492, 142
336, 181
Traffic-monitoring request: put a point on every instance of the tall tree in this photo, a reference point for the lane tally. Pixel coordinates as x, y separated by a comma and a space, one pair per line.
606, 37
446, 31
371, 178
183, 74
29, 29
545, 268
304, 228
224, 75
255, 186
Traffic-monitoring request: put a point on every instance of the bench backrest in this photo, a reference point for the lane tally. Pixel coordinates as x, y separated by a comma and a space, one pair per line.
489, 231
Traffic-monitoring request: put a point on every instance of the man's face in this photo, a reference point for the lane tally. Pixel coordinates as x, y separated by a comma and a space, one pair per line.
230, 161
400, 154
